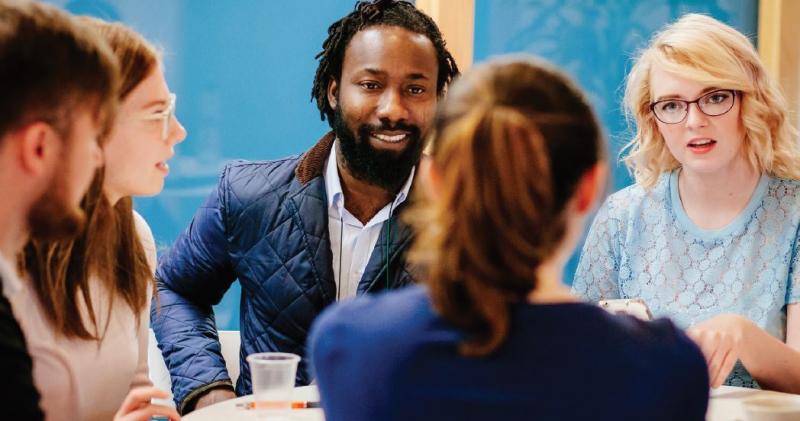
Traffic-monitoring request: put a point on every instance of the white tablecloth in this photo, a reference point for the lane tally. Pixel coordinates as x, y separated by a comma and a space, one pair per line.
232, 410
725, 405
726, 402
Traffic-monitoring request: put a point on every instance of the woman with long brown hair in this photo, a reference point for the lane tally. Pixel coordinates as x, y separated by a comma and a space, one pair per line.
517, 165
86, 307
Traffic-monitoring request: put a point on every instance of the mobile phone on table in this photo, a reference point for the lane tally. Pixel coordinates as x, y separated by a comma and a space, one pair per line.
633, 306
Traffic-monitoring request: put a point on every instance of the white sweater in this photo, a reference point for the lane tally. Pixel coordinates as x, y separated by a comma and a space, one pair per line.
81, 379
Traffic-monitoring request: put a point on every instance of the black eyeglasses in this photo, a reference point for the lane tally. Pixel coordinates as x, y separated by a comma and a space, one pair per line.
714, 103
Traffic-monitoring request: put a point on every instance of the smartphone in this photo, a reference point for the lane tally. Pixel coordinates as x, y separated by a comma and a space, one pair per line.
633, 306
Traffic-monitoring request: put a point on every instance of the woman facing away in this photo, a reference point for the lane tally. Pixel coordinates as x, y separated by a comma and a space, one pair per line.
517, 165
85, 307
708, 234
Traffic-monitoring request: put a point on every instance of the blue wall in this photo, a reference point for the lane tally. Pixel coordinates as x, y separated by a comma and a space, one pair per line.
243, 71
594, 41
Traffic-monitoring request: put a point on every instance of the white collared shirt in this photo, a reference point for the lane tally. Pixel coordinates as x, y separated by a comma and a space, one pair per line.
355, 240
11, 281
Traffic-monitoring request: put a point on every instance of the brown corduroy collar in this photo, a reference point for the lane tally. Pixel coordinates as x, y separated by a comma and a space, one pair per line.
312, 164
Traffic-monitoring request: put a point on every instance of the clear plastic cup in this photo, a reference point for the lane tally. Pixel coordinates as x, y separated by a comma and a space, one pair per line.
272, 375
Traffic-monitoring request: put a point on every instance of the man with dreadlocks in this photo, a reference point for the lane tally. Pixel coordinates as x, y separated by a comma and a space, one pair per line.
305, 231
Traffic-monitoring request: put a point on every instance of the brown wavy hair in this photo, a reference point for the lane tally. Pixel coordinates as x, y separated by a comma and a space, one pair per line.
37, 38
108, 250
512, 139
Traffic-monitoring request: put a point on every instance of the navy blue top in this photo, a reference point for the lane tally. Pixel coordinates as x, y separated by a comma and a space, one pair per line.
391, 357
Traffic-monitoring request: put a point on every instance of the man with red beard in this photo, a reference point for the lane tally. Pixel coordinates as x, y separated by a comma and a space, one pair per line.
303, 232
58, 84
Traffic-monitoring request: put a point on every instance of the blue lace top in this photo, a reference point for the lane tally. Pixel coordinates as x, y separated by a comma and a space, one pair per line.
643, 245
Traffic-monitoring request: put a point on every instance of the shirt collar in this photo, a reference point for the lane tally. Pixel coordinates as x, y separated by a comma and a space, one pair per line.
11, 282
333, 184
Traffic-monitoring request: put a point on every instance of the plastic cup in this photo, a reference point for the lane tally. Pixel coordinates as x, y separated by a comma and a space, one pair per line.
272, 375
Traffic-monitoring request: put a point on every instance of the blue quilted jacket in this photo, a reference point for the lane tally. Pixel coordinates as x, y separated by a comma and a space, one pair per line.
266, 225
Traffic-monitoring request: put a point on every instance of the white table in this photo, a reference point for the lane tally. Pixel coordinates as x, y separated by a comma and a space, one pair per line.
233, 410
726, 402
725, 405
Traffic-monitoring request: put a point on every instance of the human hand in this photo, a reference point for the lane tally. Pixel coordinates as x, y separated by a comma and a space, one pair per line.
214, 396
137, 406
721, 341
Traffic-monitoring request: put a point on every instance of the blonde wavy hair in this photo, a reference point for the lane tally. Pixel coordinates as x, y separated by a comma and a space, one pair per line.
705, 50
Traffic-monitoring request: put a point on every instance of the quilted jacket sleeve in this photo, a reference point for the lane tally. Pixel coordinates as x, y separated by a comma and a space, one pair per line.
191, 277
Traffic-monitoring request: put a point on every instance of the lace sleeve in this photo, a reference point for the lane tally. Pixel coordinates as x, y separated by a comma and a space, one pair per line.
598, 267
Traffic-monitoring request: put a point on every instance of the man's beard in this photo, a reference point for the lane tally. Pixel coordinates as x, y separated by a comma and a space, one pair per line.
52, 217
386, 169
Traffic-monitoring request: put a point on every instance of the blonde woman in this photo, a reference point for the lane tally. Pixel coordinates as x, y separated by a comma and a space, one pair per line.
517, 165
85, 308
708, 234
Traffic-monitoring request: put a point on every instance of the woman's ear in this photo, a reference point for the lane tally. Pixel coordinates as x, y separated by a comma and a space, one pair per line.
591, 187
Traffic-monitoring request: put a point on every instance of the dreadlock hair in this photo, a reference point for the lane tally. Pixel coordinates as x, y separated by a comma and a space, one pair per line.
372, 13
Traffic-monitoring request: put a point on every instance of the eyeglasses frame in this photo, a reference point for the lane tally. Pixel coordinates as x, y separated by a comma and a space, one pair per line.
165, 116
734, 94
